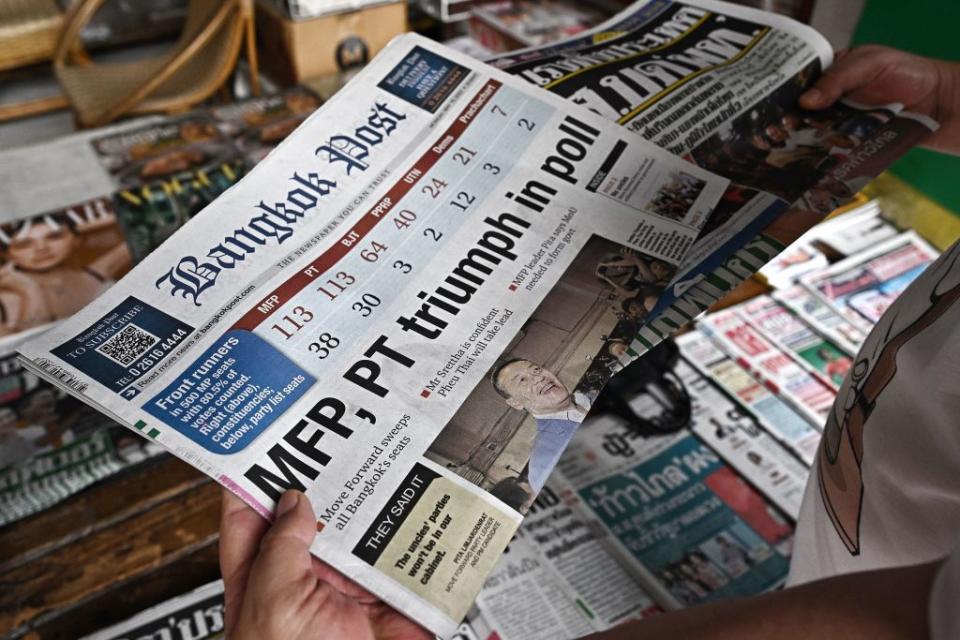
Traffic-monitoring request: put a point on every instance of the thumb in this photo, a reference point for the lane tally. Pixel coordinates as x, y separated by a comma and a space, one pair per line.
850, 71
285, 549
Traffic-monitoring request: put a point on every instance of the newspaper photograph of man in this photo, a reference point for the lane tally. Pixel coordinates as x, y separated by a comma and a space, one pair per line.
510, 432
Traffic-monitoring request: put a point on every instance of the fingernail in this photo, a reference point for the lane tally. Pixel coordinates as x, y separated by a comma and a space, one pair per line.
288, 502
813, 96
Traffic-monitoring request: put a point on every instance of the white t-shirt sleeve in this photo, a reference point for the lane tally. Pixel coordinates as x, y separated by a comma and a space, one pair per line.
944, 595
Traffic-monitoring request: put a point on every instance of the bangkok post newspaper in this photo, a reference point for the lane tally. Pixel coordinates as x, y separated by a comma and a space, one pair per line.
390, 311
717, 84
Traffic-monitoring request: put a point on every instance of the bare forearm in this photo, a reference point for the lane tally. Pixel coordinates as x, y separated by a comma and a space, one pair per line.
877, 605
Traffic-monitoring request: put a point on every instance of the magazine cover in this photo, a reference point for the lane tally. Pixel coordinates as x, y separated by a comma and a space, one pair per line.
164, 150
54, 264
258, 125
151, 212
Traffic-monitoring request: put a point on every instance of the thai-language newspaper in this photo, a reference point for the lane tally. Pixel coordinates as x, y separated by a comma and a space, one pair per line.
681, 519
718, 84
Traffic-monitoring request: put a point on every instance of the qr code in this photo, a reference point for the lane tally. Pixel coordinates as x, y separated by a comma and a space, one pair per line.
128, 345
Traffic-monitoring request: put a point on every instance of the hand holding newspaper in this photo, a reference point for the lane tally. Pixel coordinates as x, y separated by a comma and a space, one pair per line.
408, 307
319, 325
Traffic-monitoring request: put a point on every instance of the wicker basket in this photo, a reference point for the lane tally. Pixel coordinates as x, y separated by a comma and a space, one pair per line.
28, 31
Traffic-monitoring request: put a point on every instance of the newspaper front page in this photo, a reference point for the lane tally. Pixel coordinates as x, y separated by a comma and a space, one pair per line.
197, 615
841, 236
821, 356
157, 174
398, 311
822, 317
679, 518
782, 373
862, 287
742, 442
718, 84
558, 579
780, 420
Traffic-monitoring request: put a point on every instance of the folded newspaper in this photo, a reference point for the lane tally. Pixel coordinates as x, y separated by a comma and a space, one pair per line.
407, 308
286, 348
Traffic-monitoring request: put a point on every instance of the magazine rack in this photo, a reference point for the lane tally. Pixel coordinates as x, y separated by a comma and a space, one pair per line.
199, 64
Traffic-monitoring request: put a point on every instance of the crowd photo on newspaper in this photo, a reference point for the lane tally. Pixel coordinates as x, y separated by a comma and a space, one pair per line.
467, 309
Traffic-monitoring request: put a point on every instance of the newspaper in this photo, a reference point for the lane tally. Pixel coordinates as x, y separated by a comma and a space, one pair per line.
557, 579
797, 260
841, 236
55, 262
808, 394
341, 333
684, 522
56, 174
197, 615
718, 83
823, 318
435, 140
505, 25
775, 416
821, 356
862, 287
741, 441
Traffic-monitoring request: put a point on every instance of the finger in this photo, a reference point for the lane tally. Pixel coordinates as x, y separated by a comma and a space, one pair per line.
285, 549
325, 573
241, 529
854, 70
390, 623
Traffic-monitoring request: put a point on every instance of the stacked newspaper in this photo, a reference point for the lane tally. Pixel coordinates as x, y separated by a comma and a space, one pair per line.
407, 309
197, 615
129, 189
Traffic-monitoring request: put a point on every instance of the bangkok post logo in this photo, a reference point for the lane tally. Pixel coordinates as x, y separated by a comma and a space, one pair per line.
273, 224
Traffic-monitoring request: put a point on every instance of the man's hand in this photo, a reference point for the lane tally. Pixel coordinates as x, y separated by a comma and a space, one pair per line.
275, 590
876, 75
